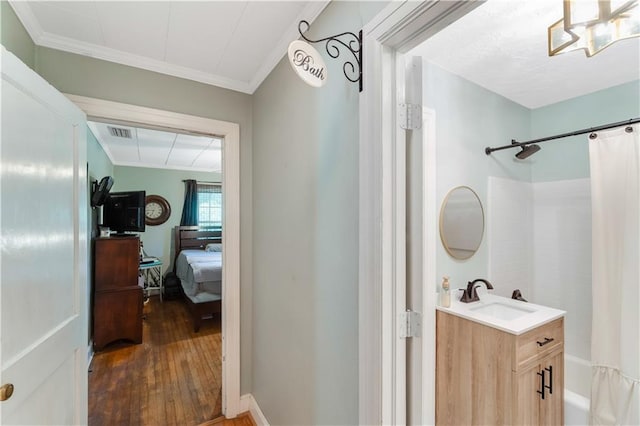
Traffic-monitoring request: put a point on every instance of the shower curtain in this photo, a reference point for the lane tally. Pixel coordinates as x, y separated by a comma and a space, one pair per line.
615, 344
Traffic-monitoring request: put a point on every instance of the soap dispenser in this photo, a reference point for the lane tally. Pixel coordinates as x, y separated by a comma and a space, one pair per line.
445, 294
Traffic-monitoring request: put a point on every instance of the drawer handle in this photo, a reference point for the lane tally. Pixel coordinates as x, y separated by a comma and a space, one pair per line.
546, 340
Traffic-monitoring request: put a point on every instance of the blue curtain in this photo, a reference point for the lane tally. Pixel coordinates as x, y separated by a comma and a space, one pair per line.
190, 208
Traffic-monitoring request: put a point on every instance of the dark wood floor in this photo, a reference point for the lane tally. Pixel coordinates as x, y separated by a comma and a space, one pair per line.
173, 378
243, 419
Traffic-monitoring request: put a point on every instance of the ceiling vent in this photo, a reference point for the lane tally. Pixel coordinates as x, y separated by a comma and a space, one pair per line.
119, 132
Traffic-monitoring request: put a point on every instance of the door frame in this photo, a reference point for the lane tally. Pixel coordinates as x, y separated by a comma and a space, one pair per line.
230, 132
398, 28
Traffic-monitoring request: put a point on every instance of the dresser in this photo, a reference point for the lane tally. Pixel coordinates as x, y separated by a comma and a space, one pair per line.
117, 297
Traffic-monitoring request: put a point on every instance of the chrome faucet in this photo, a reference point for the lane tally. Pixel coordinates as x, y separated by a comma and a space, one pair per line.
470, 294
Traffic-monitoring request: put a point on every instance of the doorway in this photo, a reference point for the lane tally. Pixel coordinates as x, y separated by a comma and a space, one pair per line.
384, 394
175, 374
229, 132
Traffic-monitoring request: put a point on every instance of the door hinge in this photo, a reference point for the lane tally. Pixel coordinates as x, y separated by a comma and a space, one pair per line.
410, 116
410, 324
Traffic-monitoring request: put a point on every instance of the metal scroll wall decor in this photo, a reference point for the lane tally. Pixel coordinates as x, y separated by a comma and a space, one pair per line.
348, 41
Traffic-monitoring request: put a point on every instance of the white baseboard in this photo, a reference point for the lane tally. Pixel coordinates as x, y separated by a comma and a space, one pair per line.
248, 403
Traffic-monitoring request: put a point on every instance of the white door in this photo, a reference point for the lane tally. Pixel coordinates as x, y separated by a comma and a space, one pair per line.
43, 264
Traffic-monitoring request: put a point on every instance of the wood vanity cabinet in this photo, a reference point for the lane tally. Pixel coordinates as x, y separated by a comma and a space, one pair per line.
117, 298
488, 376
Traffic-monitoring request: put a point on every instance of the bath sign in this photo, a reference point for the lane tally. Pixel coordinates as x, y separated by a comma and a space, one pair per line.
307, 63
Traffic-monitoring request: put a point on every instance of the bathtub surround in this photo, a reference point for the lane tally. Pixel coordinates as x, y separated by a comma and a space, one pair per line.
539, 238
561, 248
615, 345
510, 234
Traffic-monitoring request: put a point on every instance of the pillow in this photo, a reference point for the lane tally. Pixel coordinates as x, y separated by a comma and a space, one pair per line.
213, 247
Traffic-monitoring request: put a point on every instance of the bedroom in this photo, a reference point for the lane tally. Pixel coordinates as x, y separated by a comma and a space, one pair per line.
172, 325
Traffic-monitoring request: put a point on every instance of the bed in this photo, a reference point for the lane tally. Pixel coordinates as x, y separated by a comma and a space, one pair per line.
198, 266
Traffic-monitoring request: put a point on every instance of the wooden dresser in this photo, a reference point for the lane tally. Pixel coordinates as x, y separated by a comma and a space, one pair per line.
117, 298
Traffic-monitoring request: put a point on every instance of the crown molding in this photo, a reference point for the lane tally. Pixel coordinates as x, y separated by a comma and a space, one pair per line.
41, 38
28, 19
136, 61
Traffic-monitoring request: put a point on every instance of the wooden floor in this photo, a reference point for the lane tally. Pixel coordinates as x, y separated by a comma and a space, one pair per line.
173, 378
243, 419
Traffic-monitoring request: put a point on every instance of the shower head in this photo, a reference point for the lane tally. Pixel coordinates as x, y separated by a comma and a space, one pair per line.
527, 151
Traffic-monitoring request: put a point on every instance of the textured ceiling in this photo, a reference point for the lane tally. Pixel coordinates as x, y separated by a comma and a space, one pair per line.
502, 46
231, 44
158, 149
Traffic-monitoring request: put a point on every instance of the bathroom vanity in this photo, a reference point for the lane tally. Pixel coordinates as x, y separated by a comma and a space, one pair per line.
499, 361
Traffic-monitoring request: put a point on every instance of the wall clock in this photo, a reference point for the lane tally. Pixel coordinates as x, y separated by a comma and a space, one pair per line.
157, 210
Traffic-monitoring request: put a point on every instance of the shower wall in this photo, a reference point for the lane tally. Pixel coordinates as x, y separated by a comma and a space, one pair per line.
562, 256
539, 237
510, 236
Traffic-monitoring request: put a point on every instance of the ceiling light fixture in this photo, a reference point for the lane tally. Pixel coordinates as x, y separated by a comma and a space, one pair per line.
593, 25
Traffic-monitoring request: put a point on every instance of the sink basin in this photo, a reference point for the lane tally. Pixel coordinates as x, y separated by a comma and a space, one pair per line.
502, 311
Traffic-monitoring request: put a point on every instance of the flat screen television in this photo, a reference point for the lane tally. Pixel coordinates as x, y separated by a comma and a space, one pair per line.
123, 212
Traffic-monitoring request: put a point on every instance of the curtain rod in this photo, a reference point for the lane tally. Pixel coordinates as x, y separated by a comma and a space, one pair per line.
515, 144
203, 181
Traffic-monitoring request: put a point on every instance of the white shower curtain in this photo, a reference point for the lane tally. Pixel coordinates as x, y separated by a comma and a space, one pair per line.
615, 343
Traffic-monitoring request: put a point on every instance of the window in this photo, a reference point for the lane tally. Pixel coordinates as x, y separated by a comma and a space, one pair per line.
210, 205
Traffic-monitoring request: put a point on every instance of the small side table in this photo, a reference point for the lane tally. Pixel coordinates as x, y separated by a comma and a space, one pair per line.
152, 274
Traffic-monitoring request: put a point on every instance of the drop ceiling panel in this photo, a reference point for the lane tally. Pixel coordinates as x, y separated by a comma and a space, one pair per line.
191, 142
81, 24
136, 27
210, 158
154, 146
186, 149
129, 151
199, 32
159, 149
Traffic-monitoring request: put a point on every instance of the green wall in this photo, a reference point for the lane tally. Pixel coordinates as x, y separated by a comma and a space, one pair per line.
468, 119
569, 158
99, 163
14, 37
98, 166
84, 76
305, 195
158, 240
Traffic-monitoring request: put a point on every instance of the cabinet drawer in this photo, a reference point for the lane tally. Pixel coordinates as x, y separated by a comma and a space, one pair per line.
117, 315
540, 341
116, 262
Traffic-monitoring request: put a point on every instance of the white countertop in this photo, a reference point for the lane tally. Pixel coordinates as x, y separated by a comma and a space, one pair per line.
527, 315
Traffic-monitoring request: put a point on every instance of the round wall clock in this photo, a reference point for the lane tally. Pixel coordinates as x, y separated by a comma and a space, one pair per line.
157, 210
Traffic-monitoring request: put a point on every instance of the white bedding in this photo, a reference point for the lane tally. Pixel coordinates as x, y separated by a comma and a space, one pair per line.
200, 271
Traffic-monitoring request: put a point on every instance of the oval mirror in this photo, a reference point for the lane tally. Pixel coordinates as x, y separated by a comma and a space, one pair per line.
461, 222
